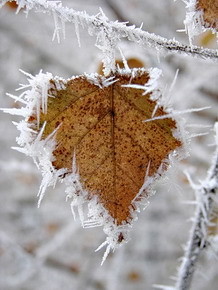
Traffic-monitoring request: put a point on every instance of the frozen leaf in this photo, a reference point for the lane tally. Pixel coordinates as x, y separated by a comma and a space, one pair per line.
12, 5
132, 62
209, 10
107, 138
100, 128
207, 39
202, 15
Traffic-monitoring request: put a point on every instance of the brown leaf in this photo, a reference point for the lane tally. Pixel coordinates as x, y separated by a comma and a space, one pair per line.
210, 12
113, 146
132, 62
207, 39
12, 5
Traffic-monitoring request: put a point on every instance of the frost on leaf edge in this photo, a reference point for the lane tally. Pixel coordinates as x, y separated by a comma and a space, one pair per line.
194, 21
41, 150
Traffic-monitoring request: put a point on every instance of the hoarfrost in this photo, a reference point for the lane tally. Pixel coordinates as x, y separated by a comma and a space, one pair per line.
109, 33
194, 22
35, 98
177, 113
204, 193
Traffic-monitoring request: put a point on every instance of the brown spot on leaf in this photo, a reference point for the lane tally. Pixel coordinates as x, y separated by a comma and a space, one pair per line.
32, 118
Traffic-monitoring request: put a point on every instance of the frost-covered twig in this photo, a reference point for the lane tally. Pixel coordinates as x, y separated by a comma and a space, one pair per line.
198, 236
108, 33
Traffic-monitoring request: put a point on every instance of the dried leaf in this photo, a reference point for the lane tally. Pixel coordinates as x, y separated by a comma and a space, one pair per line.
102, 124
213, 228
132, 62
207, 39
209, 9
12, 5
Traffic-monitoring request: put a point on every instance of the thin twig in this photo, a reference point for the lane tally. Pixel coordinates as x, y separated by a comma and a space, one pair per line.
198, 235
99, 23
